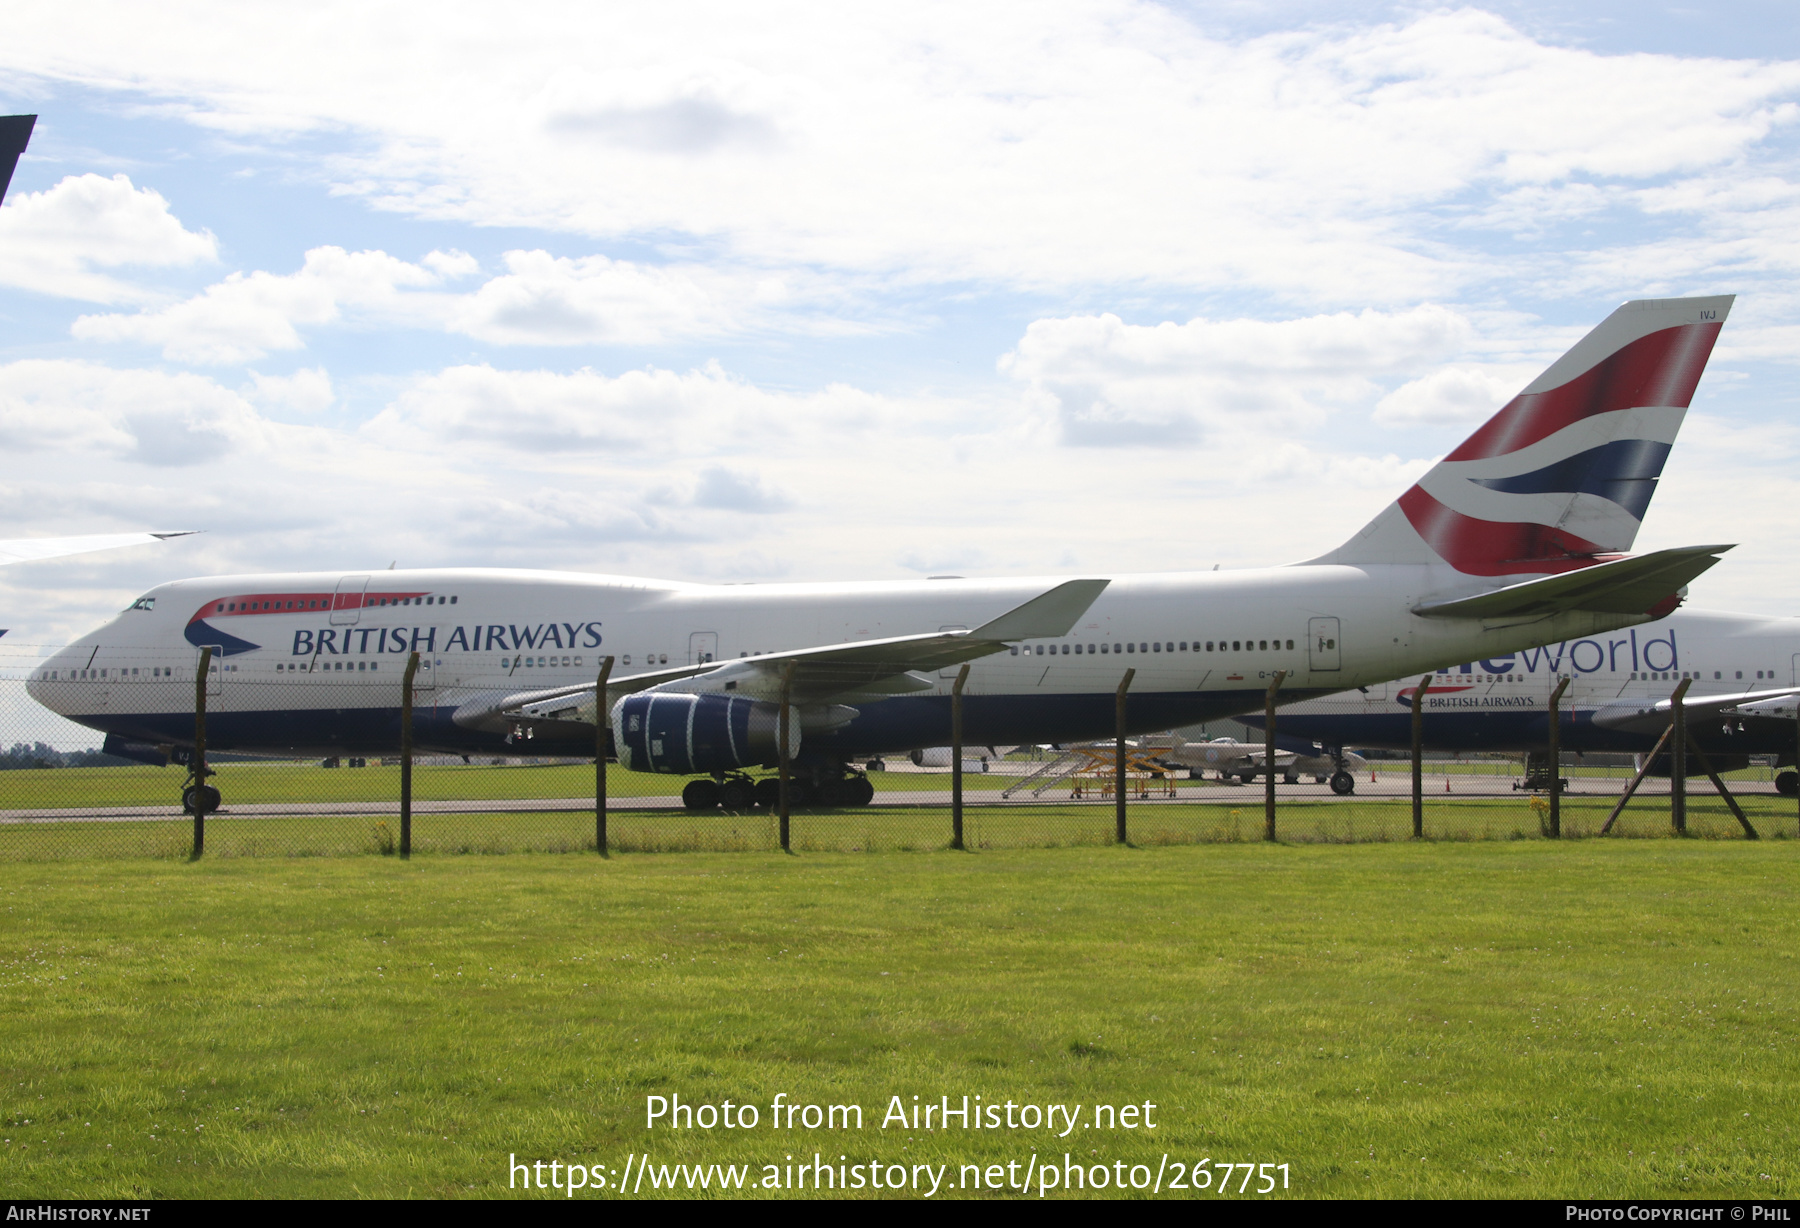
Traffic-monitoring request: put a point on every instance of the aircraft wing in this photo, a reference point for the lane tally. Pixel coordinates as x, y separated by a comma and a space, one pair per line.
1634, 585
888, 666
1652, 717
32, 549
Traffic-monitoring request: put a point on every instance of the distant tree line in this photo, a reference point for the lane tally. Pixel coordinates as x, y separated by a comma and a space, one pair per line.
38, 755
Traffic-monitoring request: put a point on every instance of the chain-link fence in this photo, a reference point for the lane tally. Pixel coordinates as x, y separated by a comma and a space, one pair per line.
289, 754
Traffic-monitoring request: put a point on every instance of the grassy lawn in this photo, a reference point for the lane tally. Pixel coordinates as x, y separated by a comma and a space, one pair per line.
1598, 1019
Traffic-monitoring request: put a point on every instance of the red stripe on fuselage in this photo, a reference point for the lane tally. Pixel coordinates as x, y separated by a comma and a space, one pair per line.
249, 604
1494, 547
1660, 369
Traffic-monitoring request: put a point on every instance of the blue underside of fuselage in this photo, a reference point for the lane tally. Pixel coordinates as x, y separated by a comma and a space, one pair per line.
1516, 731
890, 726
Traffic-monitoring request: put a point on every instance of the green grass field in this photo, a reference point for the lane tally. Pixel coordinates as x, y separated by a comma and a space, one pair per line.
1593, 1019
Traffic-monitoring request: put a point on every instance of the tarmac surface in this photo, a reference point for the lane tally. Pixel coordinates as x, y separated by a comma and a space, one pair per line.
1388, 787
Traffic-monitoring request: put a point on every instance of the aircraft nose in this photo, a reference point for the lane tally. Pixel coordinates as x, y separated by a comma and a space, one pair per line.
48, 682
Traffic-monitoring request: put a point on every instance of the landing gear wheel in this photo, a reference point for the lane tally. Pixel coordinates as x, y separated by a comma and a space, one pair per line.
1788, 784
1246, 778
1343, 784
768, 793
196, 799
737, 795
700, 794
858, 791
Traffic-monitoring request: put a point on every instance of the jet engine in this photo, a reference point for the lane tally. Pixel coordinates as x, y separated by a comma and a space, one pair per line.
659, 731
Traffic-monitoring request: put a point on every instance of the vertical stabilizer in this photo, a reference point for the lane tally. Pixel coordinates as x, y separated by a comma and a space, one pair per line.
15, 134
1560, 478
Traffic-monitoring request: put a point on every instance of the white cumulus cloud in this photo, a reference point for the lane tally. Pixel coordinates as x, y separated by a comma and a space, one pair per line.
1460, 395
60, 240
249, 315
1105, 382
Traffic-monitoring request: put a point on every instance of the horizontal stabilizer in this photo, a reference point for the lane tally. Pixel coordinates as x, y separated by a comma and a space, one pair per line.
1651, 716
1623, 586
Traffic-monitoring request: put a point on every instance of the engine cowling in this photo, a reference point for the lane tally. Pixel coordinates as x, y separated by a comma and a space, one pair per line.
659, 731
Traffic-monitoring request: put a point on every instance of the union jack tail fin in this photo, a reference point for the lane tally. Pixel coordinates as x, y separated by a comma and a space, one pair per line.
1560, 478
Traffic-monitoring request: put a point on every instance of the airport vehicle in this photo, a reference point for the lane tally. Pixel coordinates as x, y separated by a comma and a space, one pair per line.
1744, 672
1245, 761
1516, 539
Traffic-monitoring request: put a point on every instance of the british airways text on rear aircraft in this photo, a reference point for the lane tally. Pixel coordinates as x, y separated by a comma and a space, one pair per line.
1516, 539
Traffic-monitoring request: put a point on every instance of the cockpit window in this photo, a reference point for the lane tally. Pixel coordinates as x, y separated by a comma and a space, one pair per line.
144, 603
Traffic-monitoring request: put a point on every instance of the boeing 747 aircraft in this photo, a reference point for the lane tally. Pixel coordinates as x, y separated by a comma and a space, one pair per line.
1741, 667
1515, 540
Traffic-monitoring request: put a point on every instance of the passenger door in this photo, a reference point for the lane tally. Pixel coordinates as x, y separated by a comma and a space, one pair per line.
347, 602
703, 647
215, 672
1322, 653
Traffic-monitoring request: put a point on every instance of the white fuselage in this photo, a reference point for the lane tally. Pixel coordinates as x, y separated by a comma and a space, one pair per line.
310, 662
1501, 702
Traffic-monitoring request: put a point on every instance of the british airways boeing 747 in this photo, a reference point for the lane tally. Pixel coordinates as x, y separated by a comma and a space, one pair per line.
1517, 539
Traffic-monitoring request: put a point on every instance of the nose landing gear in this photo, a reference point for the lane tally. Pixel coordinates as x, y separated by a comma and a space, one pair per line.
198, 797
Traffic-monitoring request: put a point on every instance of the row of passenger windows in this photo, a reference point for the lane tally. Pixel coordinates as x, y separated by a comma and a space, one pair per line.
542, 662
325, 667
1038, 650
317, 603
1674, 675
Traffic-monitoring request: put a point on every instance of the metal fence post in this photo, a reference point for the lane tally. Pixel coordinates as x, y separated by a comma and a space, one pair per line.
1678, 761
1119, 753
406, 713
1418, 756
956, 746
787, 688
197, 768
1269, 754
1556, 759
600, 731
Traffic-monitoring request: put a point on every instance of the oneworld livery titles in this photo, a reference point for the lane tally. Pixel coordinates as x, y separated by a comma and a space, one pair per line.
1651, 655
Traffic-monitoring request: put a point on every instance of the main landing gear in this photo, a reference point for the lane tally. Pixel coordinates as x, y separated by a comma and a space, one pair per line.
739, 794
1787, 784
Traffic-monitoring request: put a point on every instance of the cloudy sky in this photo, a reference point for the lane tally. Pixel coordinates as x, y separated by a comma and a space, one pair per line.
731, 292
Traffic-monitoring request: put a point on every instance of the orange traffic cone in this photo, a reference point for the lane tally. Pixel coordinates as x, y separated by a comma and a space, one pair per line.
1371, 778
1446, 784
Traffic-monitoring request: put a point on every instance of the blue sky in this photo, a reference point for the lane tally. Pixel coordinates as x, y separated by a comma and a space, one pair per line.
814, 292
